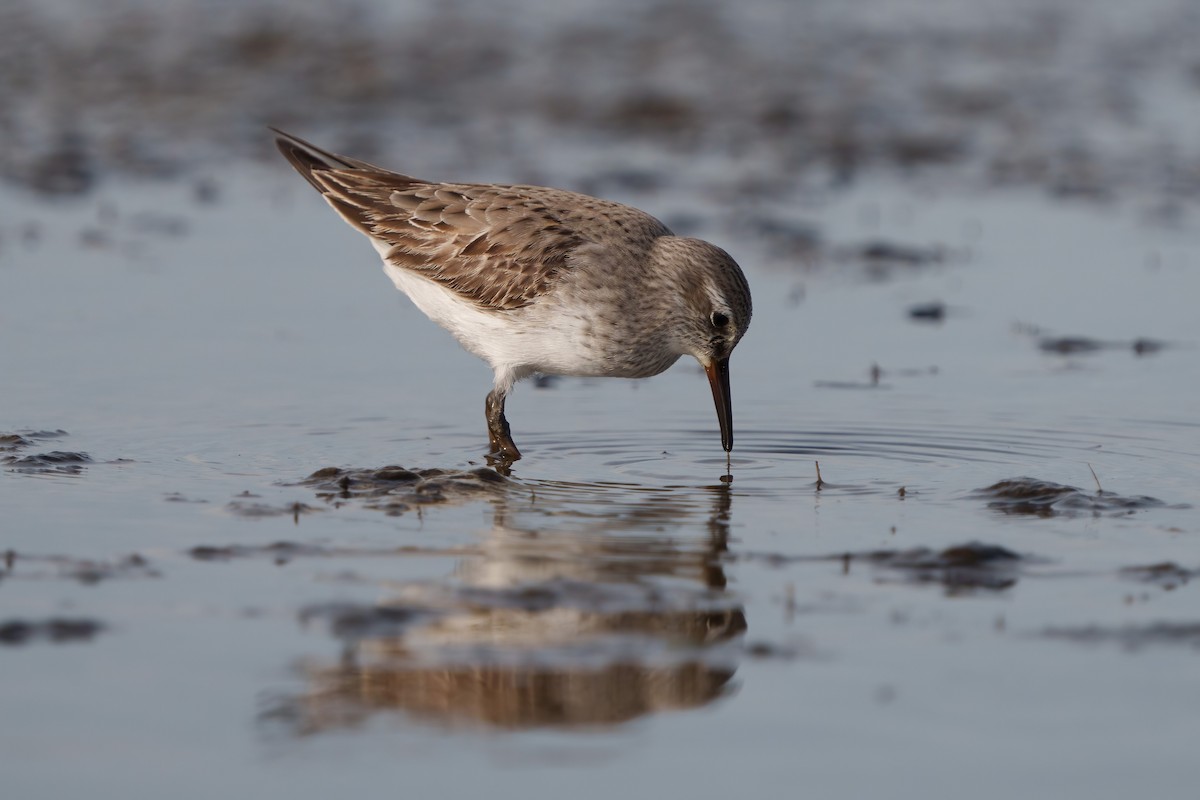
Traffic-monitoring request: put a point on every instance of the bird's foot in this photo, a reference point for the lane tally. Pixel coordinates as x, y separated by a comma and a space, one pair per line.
503, 449
503, 454
499, 433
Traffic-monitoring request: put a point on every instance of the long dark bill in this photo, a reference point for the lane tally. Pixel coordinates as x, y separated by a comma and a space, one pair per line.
718, 378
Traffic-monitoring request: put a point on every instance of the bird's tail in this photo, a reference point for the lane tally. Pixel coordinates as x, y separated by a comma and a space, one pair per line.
307, 158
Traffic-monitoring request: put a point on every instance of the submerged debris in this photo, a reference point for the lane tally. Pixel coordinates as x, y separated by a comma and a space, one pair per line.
1072, 345
875, 376
394, 489
1081, 345
1131, 637
881, 254
1167, 574
1041, 498
179, 497
766, 650
259, 510
928, 312
881, 260
961, 569
790, 241
1146, 347
84, 570
56, 630
283, 552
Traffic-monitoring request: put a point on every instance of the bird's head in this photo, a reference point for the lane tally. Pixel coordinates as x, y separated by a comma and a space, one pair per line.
713, 314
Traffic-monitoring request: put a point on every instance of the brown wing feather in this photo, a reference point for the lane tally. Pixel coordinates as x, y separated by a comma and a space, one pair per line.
490, 244
498, 246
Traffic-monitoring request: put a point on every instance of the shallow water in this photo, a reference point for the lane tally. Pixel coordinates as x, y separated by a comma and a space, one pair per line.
212, 584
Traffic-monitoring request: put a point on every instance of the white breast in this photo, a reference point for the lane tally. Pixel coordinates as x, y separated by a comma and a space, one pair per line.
515, 343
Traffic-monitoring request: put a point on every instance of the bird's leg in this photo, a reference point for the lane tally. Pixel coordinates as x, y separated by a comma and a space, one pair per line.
499, 433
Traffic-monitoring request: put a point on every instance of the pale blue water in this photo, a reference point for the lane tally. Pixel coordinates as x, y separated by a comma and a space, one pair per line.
612, 618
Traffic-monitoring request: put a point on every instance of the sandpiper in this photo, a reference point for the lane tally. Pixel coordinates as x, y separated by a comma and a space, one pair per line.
539, 280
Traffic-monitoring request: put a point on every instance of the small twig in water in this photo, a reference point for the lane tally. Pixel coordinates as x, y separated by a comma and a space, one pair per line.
1097, 480
820, 482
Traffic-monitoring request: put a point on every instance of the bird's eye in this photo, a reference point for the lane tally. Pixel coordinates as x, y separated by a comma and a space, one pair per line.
719, 320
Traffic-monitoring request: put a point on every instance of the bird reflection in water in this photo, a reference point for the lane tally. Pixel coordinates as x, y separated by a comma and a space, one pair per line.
574, 614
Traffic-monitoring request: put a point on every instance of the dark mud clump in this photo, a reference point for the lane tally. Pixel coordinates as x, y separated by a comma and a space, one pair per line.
1167, 574
57, 462
87, 571
928, 312
19, 440
1071, 345
800, 244
284, 552
1088, 345
55, 630
394, 489
280, 552
1132, 637
763, 650
1038, 498
880, 259
179, 497
961, 569
1082, 345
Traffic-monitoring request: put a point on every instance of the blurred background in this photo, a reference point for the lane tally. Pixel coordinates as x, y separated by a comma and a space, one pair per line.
1088, 100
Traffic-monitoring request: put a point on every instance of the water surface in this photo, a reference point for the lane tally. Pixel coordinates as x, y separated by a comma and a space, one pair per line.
252, 543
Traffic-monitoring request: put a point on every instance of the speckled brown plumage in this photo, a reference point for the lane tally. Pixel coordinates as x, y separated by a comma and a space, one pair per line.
498, 246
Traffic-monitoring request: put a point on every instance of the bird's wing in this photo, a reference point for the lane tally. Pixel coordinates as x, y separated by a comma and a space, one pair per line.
498, 246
